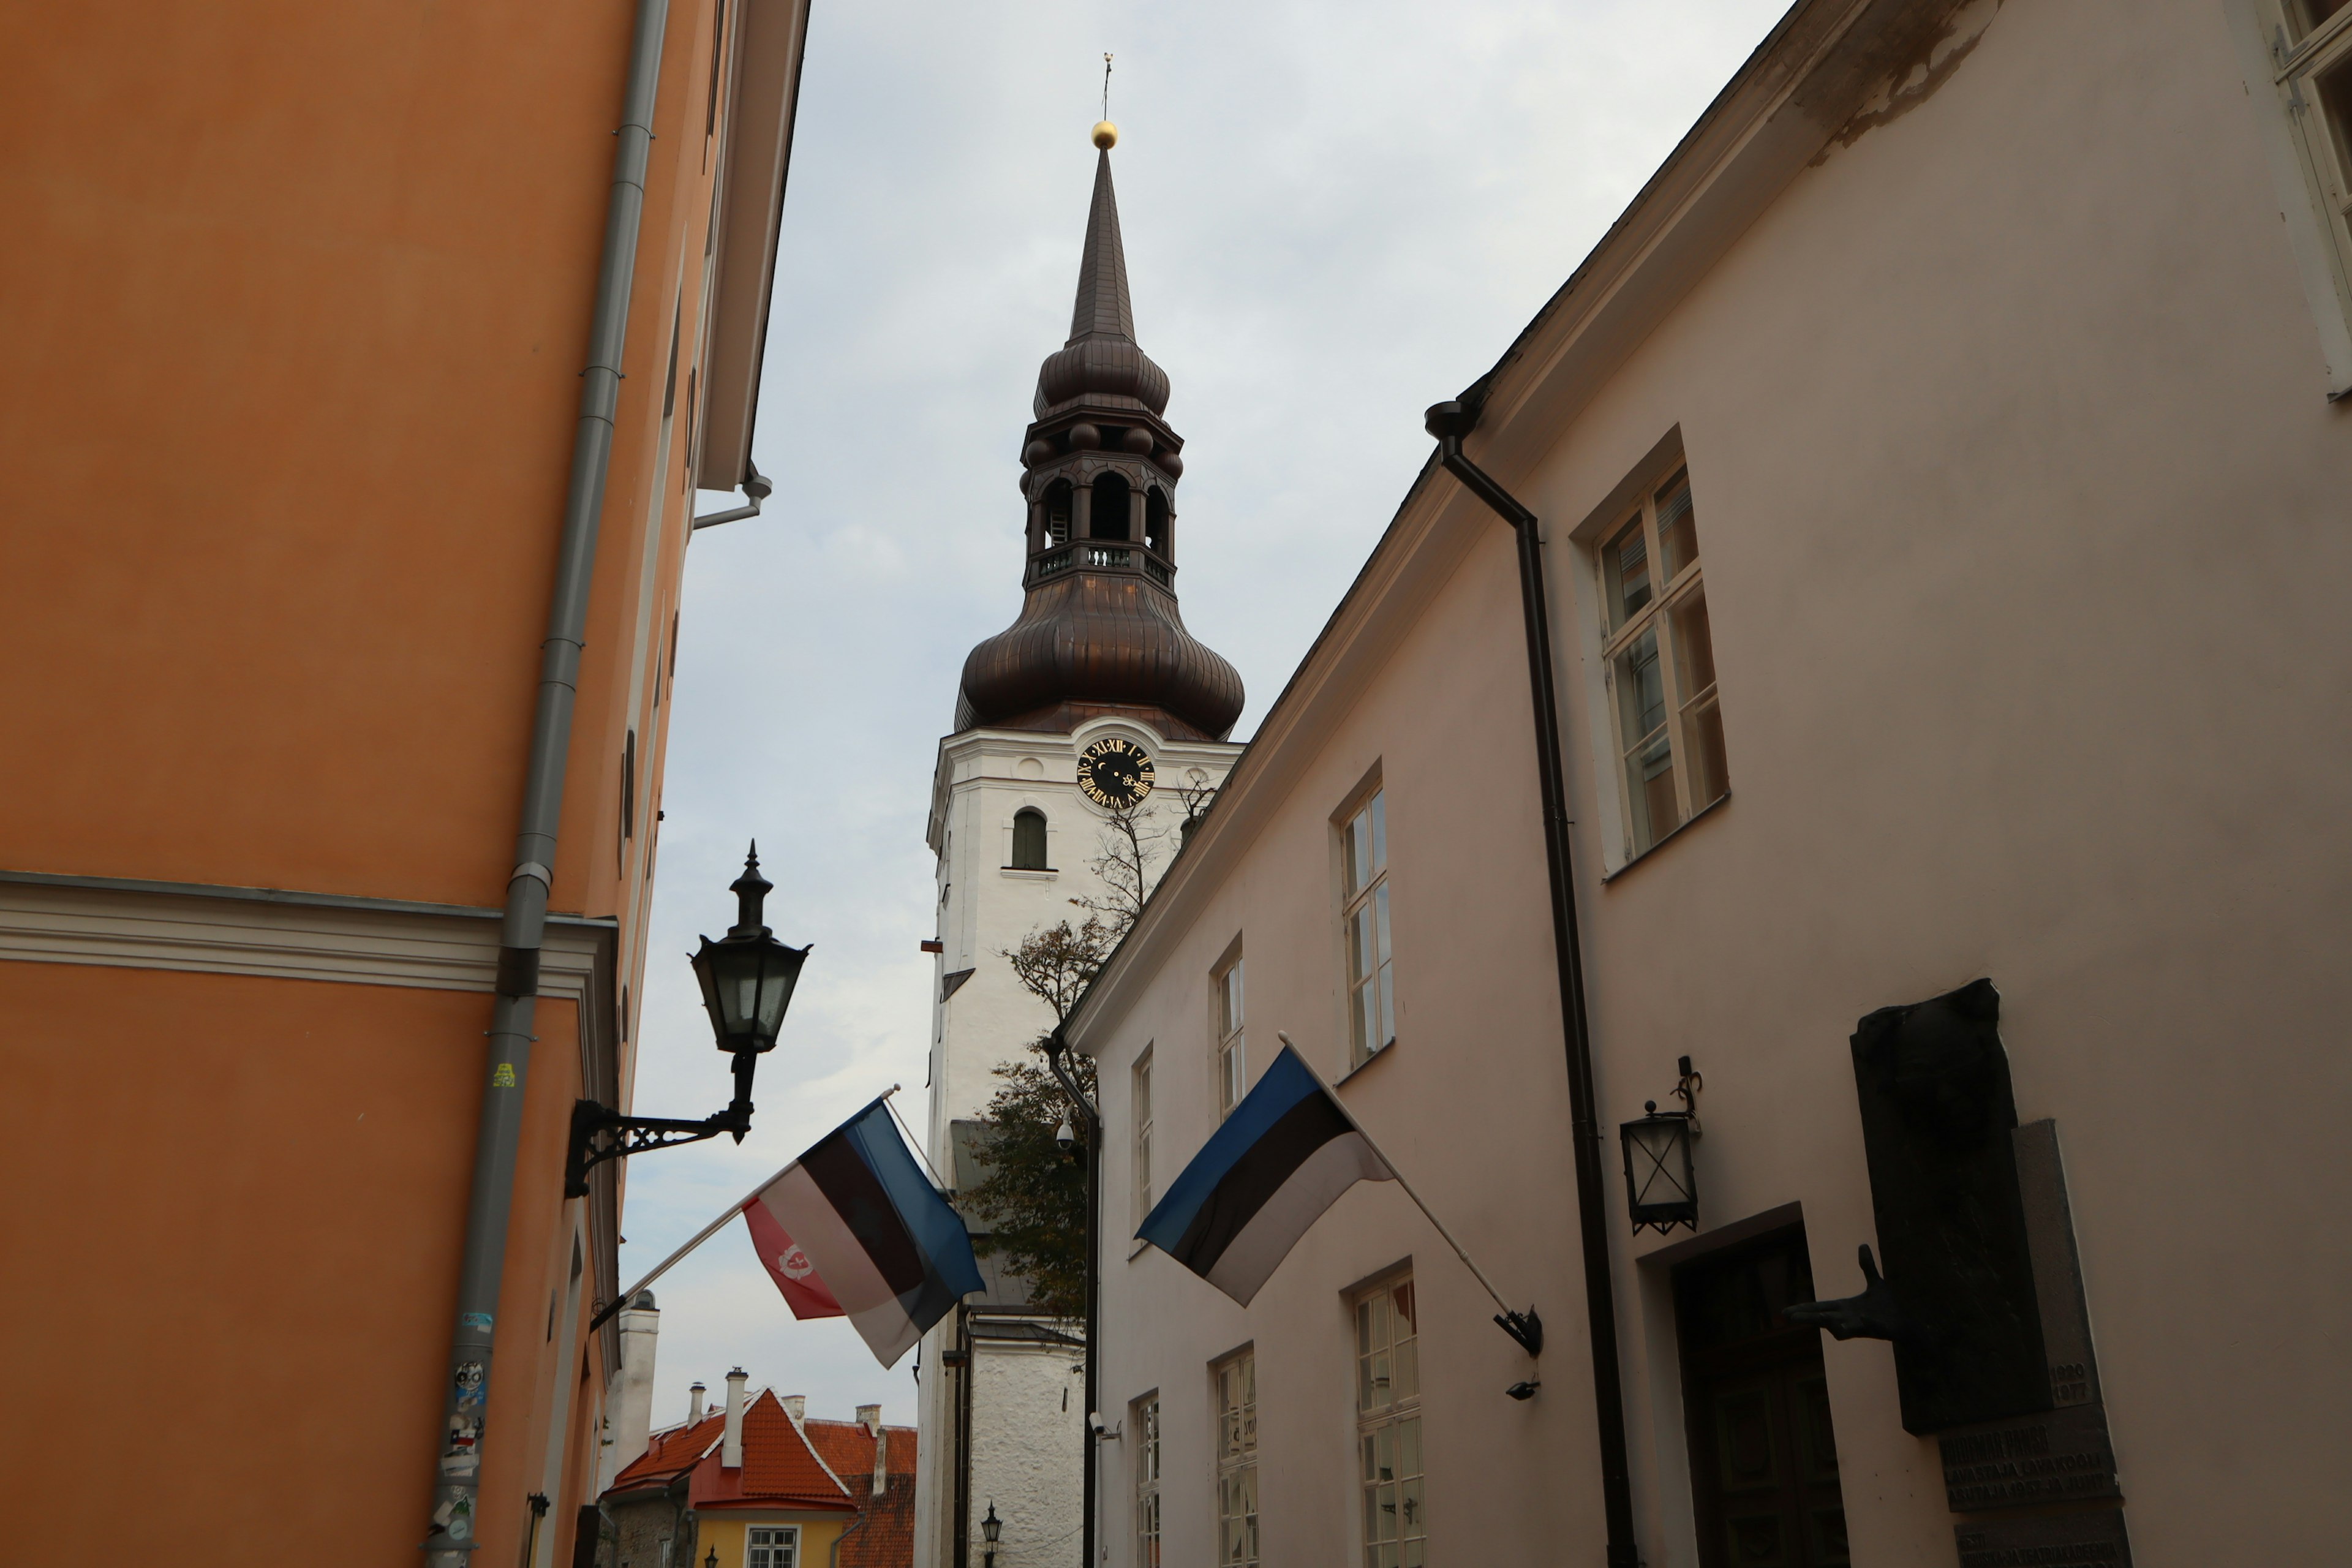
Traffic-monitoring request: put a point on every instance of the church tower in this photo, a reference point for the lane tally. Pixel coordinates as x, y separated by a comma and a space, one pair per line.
1096, 701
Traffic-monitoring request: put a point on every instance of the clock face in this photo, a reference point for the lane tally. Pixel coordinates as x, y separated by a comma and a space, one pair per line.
1115, 771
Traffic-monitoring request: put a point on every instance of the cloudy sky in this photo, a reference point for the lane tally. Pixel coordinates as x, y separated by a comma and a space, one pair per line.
1335, 215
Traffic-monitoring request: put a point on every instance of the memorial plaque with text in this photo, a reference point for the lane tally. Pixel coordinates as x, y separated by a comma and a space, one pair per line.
2094, 1540
2063, 1457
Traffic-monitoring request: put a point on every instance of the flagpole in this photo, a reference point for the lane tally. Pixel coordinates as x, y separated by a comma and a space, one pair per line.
707, 1232
1513, 1321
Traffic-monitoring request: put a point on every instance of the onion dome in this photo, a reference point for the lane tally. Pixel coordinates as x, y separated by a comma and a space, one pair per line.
1098, 631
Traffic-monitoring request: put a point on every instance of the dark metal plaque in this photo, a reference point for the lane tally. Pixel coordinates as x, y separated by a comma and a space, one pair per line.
2094, 1539
2063, 1457
1936, 1119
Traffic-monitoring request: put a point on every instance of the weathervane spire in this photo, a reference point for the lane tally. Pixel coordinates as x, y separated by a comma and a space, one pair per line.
1105, 134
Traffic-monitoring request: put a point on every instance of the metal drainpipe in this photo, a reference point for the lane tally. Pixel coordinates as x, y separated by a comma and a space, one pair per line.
1449, 422
1055, 1044
457, 1476
757, 487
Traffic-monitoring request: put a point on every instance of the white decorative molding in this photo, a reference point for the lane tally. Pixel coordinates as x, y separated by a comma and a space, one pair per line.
285, 936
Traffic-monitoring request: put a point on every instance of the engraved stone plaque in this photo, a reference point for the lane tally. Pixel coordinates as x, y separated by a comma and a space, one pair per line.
2094, 1539
2057, 1268
2063, 1457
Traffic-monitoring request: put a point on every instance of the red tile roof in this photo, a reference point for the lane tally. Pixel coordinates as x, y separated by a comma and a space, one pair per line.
779, 1469
671, 1451
885, 1536
822, 1466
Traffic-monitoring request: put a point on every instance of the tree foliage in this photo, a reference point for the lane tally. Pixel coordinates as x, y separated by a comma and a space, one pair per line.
1032, 1194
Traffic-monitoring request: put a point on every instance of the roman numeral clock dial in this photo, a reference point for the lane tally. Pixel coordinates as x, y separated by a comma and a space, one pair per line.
1115, 772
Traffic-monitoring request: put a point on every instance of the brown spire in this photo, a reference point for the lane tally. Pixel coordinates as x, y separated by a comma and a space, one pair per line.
1101, 362
1103, 307
1098, 631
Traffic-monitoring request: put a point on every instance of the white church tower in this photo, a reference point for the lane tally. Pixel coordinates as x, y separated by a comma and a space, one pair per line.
1095, 699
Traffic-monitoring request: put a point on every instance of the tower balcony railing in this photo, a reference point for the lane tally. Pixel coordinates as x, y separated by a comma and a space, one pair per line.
1100, 555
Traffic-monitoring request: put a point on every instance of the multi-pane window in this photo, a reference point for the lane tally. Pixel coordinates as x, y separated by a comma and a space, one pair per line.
1143, 1196
1236, 1384
1146, 1482
2311, 50
1660, 666
1233, 1062
773, 1546
1387, 1428
1372, 998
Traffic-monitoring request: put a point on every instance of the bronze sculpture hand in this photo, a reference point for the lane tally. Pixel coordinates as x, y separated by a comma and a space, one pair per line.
1875, 1314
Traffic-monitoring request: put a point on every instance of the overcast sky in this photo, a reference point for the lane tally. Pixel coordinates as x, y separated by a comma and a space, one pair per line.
1335, 214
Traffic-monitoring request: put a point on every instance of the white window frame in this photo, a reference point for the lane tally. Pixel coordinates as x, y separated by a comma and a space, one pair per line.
1388, 1426
1671, 599
1364, 904
790, 1540
1146, 1420
2312, 169
1232, 1387
1229, 1004
1139, 1116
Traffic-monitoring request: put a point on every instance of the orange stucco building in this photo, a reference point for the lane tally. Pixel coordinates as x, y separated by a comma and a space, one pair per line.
300, 470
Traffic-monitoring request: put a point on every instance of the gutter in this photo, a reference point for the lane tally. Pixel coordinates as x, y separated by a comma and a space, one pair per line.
458, 1441
1056, 1044
1450, 422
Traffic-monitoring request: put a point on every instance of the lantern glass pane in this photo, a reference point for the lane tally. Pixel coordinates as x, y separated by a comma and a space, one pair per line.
1658, 1177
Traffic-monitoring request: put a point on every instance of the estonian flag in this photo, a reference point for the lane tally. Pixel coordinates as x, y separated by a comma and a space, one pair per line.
873, 1235
1284, 1156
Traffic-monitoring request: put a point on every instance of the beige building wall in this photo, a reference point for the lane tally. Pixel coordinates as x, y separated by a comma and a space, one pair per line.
2022, 514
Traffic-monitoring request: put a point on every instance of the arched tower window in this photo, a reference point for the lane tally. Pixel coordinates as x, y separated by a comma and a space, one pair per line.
1109, 518
1155, 520
1057, 513
1029, 839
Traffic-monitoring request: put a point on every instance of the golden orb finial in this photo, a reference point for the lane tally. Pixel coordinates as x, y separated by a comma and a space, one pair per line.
1106, 135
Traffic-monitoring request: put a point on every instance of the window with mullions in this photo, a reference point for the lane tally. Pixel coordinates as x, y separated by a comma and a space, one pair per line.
2311, 51
1146, 1482
1372, 996
1233, 1061
1660, 666
1236, 1388
1388, 1427
773, 1546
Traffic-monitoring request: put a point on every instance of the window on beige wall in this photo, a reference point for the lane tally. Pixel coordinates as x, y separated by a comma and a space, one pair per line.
1235, 1381
1232, 1058
1146, 1482
1142, 1098
2311, 52
1658, 663
1364, 883
1388, 1427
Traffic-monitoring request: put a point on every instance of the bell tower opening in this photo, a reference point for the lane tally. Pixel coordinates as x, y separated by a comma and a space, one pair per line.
1108, 518
1057, 513
1155, 521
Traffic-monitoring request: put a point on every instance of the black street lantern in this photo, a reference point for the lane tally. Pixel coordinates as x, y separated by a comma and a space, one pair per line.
747, 983
988, 1529
1661, 1189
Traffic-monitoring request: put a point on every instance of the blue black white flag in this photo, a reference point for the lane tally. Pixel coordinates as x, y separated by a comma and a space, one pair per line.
1284, 1156
885, 1244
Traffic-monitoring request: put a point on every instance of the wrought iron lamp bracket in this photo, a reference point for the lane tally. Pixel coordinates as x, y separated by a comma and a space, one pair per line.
600, 1134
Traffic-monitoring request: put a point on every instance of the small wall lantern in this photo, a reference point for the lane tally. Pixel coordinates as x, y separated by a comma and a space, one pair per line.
990, 1528
1660, 1188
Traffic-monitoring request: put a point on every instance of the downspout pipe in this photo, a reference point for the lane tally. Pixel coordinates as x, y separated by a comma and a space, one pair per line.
1057, 1045
1449, 423
454, 1534
757, 487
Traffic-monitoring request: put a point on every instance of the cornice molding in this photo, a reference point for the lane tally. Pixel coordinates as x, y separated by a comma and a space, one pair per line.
200, 928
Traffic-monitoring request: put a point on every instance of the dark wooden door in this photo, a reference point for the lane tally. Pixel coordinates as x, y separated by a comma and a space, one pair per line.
1764, 1473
